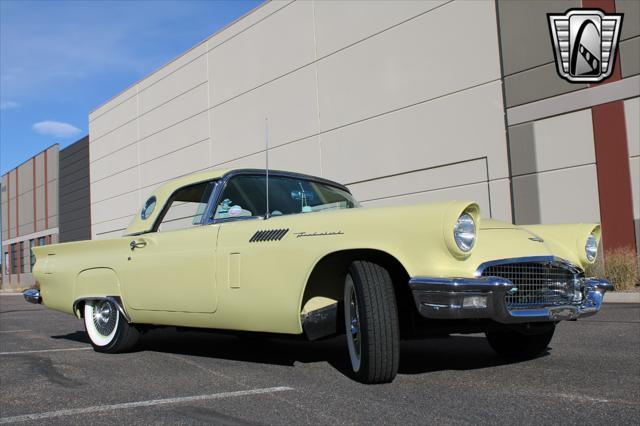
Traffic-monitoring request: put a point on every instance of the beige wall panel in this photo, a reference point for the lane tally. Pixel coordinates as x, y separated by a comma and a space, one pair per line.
632, 119
500, 195
25, 176
476, 192
560, 196
110, 229
301, 156
114, 141
634, 168
187, 160
5, 223
39, 169
553, 143
52, 198
11, 188
116, 117
265, 10
53, 163
341, 23
402, 66
114, 163
185, 133
40, 207
182, 66
631, 24
630, 56
26, 228
290, 103
426, 135
421, 181
53, 221
180, 108
117, 207
112, 103
173, 85
26, 210
265, 51
114, 185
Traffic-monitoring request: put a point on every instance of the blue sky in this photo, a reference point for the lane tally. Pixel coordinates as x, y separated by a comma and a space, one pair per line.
61, 59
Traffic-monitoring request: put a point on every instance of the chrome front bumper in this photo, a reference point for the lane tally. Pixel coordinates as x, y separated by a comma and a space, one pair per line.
459, 298
32, 296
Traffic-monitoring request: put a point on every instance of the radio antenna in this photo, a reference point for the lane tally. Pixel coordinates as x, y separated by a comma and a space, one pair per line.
266, 142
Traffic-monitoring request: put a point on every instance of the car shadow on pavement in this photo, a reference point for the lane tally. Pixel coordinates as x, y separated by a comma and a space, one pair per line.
76, 336
417, 356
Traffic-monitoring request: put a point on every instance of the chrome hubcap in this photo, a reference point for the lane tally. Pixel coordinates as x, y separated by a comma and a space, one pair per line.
355, 322
104, 317
352, 323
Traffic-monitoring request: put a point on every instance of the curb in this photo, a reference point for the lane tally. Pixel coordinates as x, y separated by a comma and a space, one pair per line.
620, 297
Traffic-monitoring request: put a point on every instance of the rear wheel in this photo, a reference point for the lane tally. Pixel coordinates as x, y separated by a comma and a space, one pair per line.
108, 331
517, 344
371, 322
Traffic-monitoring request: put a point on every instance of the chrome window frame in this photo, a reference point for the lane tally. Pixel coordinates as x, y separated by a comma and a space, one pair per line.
167, 204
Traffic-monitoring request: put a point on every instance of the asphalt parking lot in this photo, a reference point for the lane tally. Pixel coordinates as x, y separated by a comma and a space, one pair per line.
49, 374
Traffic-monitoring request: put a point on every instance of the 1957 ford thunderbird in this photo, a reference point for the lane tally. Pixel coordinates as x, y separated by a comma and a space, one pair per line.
211, 250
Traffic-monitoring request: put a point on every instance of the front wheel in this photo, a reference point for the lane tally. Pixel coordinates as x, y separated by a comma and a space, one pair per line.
107, 330
517, 344
371, 322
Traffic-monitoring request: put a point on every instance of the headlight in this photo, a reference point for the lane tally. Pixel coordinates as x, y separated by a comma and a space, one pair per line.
464, 232
591, 248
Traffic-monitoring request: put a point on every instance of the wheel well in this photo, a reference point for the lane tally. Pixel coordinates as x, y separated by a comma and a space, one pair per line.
78, 305
327, 279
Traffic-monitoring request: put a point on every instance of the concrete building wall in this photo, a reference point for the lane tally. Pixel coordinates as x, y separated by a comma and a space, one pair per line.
29, 214
368, 102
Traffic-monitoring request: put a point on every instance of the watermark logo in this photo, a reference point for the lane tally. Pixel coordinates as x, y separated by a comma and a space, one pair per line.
585, 42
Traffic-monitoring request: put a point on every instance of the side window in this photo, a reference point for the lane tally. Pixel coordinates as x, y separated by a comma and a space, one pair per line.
186, 207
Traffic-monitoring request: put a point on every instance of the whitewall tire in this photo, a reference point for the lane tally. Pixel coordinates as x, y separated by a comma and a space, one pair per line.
108, 331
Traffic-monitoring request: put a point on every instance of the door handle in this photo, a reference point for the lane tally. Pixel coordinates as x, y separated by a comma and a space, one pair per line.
137, 244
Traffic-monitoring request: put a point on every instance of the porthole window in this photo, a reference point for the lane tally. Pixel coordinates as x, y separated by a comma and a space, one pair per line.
148, 208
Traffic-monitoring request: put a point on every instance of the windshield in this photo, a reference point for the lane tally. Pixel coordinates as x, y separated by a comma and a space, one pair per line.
245, 196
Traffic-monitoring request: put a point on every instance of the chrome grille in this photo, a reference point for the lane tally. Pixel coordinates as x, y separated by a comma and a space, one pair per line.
538, 283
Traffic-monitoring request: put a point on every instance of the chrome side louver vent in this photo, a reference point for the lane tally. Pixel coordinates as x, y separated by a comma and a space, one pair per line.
268, 235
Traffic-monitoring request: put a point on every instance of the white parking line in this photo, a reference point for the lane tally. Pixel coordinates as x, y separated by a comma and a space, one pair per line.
45, 350
13, 331
127, 405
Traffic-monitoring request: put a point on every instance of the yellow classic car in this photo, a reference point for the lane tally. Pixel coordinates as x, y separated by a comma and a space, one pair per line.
280, 252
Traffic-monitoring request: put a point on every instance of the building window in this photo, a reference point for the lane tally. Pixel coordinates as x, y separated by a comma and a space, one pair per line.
14, 258
32, 244
42, 241
21, 254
